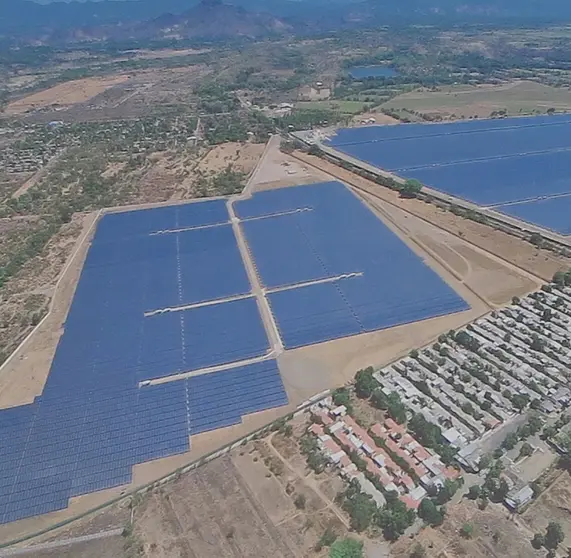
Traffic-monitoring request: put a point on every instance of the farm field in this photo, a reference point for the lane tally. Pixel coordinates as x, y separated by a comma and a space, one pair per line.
65, 94
480, 101
490, 163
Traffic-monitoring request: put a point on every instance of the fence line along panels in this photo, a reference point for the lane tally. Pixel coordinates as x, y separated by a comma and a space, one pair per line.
487, 162
375, 280
93, 422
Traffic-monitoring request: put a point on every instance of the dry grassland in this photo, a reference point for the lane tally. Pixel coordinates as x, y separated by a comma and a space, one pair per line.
480, 101
238, 506
28, 294
144, 54
64, 94
554, 504
243, 157
495, 535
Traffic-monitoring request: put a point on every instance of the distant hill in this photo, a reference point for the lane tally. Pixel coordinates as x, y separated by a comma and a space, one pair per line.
212, 19
115, 21
109, 19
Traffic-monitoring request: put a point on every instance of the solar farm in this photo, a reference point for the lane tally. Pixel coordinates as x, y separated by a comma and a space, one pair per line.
166, 337
516, 166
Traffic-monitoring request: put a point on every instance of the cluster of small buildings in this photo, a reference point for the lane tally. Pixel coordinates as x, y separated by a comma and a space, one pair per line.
473, 383
36, 144
338, 436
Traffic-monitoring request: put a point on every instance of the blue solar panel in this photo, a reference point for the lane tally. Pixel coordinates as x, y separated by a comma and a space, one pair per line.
313, 314
488, 162
373, 276
552, 213
219, 399
115, 226
93, 422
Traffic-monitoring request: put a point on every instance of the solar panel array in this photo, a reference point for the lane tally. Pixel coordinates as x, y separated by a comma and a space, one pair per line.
93, 422
370, 279
488, 162
165, 291
552, 213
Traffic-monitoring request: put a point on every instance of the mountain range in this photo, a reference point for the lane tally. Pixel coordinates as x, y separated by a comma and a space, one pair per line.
152, 19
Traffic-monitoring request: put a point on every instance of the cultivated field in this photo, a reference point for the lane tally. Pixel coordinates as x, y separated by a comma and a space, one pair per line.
519, 97
64, 94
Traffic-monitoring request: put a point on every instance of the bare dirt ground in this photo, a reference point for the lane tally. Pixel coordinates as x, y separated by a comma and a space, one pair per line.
242, 156
239, 505
378, 117
528, 258
23, 377
492, 279
518, 97
279, 170
495, 535
554, 504
144, 54
236, 506
64, 94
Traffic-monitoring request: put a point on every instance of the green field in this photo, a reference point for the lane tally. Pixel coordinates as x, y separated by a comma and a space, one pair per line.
521, 97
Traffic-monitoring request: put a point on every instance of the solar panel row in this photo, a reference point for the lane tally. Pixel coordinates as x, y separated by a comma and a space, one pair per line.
338, 237
488, 162
552, 213
117, 226
43, 472
92, 422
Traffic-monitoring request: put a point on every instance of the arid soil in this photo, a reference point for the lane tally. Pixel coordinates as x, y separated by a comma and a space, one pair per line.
64, 94
495, 535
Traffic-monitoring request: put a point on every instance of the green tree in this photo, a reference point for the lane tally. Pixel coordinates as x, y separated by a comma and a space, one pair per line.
327, 539
474, 492
429, 512
467, 530
446, 493
365, 384
341, 396
346, 548
538, 541
536, 239
554, 535
525, 450
510, 441
559, 278
411, 188
485, 461
418, 551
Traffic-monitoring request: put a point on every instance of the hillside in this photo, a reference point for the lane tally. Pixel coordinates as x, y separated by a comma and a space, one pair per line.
112, 19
